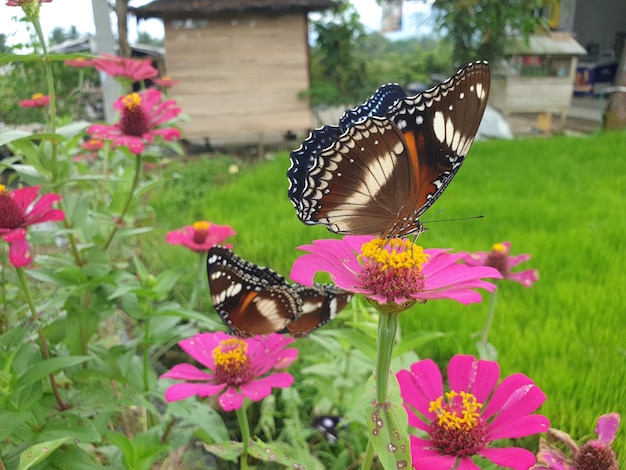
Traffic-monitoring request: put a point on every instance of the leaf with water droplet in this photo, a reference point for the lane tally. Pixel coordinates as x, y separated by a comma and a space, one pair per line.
39, 452
388, 425
487, 351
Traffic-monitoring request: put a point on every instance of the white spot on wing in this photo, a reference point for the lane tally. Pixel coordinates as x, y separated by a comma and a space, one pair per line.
439, 126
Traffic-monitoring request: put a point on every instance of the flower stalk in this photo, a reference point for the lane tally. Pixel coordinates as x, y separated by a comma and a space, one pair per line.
42, 338
490, 314
128, 201
244, 426
193, 300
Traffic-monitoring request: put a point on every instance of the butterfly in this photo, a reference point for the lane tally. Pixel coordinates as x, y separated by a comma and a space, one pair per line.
389, 159
254, 300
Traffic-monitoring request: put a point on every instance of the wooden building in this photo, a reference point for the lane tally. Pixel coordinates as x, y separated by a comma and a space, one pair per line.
242, 65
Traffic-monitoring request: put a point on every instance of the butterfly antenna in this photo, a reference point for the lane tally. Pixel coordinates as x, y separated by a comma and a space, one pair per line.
457, 219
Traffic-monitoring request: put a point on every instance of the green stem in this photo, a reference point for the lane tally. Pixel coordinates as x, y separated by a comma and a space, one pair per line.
51, 92
199, 280
146, 356
242, 418
490, 314
128, 201
387, 328
42, 339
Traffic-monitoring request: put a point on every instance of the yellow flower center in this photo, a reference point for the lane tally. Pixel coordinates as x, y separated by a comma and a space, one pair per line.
499, 247
459, 411
232, 364
202, 225
457, 428
131, 101
200, 231
394, 253
3, 189
36, 96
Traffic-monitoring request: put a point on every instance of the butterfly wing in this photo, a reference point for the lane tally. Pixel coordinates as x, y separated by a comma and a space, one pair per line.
320, 304
303, 158
381, 174
250, 300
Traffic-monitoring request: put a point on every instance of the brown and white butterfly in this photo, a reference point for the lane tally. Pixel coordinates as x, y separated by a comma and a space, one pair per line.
389, 159
253, 300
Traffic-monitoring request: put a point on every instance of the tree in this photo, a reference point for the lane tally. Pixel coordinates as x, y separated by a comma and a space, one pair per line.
615, 114
59, 35
4, 48
121, 10
477, 29
145, 38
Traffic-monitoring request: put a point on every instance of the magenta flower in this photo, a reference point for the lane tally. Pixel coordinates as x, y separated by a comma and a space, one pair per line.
392, 272
20, 209
92, 144
462, 423
141, 115
39, 100
165, 82
127, 71
596, 454
238, 368
499, 258
201, 236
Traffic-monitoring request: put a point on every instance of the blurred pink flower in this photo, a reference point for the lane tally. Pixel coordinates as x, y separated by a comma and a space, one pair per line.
80, 63
499, 258
393, 273
165, 82
141, 114
237, 368
596, 454
92, 144
39, 100
464, 422
22, 3
201, 236
128, 70
20, 209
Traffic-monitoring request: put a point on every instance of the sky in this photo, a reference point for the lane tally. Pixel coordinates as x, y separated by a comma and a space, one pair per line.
67, 13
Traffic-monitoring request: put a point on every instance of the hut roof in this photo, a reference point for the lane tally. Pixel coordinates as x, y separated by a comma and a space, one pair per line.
177, 8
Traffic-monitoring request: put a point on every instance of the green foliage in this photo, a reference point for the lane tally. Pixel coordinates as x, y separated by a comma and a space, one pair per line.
477, 29
75, 88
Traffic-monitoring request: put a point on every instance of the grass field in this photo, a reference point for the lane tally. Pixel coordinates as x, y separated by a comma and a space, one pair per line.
561, 199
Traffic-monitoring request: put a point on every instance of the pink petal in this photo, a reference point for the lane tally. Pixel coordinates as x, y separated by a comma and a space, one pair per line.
510, 457
184, 390
166, 133
187, 372
102, 131
526, 278
521, 427
607, 427
258, 389
201, 346
231, 399
219, 233
134, 144
421, 385
521, 402
19, 253
180, 237
554, 460
467, 464
507, 388
25, 196
465, 373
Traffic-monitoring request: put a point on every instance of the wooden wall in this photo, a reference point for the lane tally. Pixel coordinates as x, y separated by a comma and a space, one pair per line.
240, 75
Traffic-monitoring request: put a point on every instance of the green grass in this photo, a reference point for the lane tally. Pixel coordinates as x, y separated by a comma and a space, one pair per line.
560, 199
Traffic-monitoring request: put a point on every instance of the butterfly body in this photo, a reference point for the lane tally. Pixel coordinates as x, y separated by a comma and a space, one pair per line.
389, 160
252, 300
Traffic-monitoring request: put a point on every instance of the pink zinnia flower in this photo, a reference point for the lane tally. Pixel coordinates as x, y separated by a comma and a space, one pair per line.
499, 258
19, 210
128, 70
39, 100
238, 368
92, 144
463, 422
201, 236
596, 454
79, 63
141, 114
165, 82
392, 272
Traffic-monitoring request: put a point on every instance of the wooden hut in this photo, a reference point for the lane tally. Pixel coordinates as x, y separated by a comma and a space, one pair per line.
242, 65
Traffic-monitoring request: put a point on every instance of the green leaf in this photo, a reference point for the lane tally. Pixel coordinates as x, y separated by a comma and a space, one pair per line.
39, 452
227, 450
49, 366
487, 351
388, 426
66, 424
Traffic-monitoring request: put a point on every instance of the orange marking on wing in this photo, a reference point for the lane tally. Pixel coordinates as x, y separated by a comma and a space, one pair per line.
246, 300
411, 145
